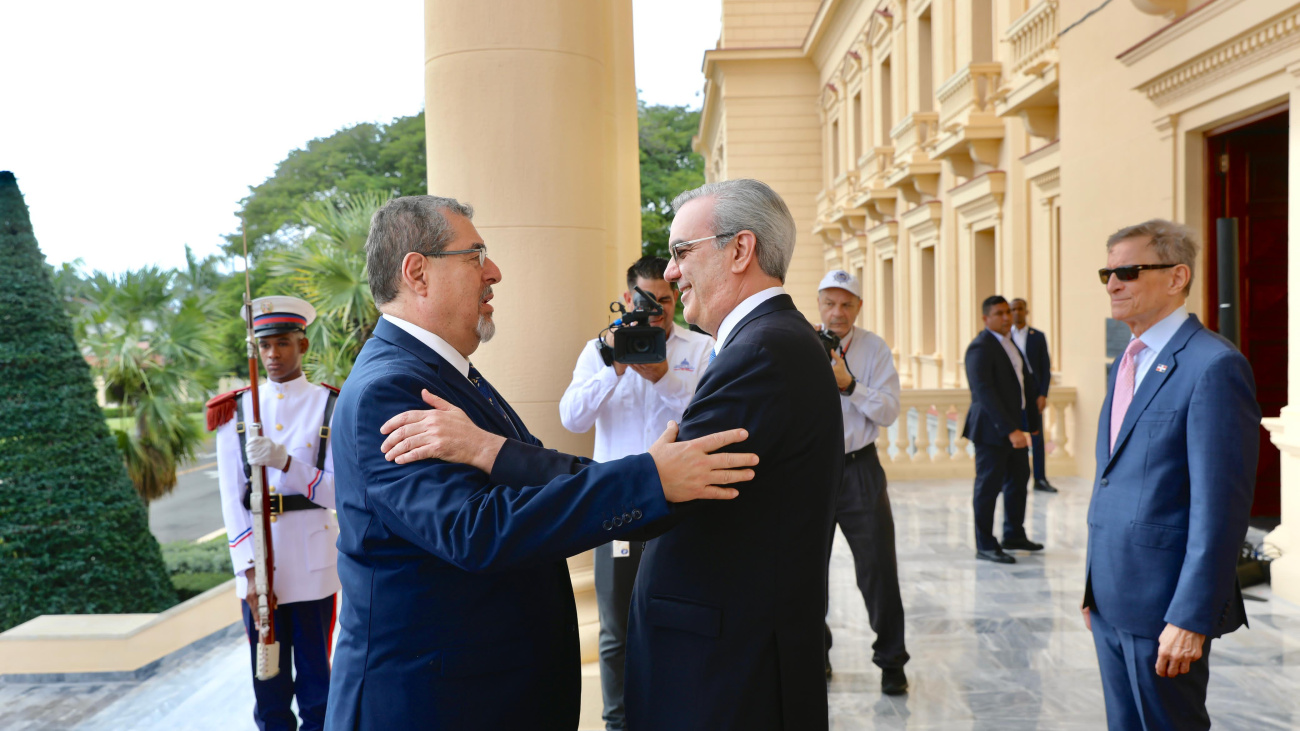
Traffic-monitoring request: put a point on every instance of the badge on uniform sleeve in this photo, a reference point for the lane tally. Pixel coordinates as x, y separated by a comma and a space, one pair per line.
1161, 368
622, 549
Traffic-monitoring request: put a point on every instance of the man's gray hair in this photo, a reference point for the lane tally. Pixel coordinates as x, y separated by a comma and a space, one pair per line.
1173, 243
740, 205
415, 223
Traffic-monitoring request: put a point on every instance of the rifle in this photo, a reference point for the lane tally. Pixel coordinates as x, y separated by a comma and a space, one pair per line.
268, 650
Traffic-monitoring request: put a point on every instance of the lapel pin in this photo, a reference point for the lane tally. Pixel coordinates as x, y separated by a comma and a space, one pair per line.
1161, 368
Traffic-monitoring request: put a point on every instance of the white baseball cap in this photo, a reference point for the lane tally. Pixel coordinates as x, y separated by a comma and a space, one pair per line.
840, 279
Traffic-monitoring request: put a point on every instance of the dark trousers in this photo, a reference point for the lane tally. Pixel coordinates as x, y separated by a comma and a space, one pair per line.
1000, 468
1040, 455
615, 578
303, 630
863, 514
1137, 698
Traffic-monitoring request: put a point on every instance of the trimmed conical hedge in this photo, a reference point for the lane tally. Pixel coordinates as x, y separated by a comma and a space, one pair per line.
74, 536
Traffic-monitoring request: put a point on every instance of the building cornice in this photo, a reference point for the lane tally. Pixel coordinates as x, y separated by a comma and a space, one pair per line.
1265, 40
1194, 19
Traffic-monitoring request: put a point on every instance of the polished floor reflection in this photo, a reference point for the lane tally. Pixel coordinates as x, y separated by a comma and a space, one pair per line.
993, 647
1004, 647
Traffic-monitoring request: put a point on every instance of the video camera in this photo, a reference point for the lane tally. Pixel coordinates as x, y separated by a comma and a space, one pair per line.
635, 340
830, 341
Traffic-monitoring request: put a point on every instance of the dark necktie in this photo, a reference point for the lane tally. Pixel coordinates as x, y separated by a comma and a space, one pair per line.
485, 389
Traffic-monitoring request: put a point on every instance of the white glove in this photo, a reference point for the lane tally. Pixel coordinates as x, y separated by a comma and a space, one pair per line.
266, 452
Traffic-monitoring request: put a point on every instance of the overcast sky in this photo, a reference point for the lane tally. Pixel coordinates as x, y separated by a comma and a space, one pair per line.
134, 127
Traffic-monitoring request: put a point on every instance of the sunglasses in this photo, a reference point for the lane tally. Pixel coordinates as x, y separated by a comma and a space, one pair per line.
1129, 273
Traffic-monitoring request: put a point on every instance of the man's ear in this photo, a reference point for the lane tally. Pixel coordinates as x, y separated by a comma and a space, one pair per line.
1182, 275
303, 343
627, 298
746, 252
415, 272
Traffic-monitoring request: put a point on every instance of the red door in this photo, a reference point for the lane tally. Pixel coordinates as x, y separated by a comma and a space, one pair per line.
1248, 181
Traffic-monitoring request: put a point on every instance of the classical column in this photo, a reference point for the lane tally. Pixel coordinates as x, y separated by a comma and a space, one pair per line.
1285, 429
530, 114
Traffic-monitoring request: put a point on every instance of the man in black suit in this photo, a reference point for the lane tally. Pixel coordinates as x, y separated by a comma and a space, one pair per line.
1003, 412
1033, 343
726, 624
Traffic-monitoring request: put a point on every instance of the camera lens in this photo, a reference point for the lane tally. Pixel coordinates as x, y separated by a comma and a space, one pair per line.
640, 345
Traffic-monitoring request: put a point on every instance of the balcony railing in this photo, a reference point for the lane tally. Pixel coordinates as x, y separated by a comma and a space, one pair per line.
912, 134
1033, 39
926, 440
972, 89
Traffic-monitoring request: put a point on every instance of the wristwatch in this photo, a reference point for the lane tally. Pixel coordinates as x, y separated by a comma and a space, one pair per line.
853, 383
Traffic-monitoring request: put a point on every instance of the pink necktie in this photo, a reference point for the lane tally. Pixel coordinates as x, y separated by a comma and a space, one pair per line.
1124, 388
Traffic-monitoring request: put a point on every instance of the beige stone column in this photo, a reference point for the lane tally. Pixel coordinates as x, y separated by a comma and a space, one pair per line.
530, 114
1285, 429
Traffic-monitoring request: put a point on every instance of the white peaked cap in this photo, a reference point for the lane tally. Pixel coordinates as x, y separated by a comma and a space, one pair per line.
840, 279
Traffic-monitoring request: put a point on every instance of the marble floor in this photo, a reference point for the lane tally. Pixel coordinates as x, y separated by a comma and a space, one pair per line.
993, 647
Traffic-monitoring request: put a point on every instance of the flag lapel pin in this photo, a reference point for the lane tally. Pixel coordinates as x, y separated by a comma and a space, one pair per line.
1161, 368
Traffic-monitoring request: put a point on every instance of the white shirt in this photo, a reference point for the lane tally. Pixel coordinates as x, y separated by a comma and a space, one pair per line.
303, 540
1156, 338
1017, 362
628, 411
1020, 338
747, 306
435, 343
874, 404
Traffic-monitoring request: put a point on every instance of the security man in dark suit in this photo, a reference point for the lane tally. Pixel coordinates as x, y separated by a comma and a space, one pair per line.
1003, 413
1033, 343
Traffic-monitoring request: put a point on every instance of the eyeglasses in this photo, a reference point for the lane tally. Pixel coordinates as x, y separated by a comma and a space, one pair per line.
1129, 273
481, 250
678, 251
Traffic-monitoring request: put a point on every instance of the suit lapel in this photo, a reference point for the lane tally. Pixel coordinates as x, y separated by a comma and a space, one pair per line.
1103, 425
451, 378
1153, 380
775, 304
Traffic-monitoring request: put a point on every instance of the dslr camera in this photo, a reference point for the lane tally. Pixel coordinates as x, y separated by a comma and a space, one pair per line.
635, 340
830, 341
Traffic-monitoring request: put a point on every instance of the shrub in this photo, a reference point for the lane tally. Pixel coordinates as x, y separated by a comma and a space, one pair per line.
74, 536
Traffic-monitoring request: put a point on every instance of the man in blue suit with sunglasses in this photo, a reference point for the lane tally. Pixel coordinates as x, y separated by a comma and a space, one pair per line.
457, 608
1177, 446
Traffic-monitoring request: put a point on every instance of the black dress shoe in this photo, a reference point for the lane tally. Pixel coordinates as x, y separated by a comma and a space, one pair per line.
1021, 544
995, 556
1044, 486
893, 681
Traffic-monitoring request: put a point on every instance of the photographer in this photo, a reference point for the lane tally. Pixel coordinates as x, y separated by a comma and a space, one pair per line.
869, 401
630, 405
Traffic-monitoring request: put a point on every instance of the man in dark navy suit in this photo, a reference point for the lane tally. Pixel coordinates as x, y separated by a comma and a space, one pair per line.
1033, 343
1177, 449
457, 607
1003, 412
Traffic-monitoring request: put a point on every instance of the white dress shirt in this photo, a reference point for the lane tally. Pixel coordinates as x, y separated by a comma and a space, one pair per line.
874, 404
1020, 338
435, 343
1155, 339
1017, 362
747, 306
303, 540
628, 411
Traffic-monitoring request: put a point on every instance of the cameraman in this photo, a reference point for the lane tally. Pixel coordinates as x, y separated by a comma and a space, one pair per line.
630, 410
869, 402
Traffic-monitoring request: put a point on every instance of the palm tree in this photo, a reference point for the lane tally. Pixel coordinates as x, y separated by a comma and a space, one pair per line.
153, 344
329, 270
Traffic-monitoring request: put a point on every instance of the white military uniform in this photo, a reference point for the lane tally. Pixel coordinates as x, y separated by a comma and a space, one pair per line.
304, 540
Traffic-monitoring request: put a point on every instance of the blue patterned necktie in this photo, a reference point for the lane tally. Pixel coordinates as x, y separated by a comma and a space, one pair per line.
712, 354
486, 391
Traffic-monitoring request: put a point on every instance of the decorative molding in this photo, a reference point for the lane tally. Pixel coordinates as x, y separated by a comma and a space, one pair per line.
1264, 41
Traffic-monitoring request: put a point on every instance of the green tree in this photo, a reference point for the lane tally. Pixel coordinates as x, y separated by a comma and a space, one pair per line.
329, 271
385, 158
668, 167
152, 341
74, 536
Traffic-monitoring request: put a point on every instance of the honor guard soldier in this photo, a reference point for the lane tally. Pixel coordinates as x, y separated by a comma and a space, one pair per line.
295, 450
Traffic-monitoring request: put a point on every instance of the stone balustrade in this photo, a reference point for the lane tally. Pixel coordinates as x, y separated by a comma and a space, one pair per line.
926, 441
1033, 39
972, 90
